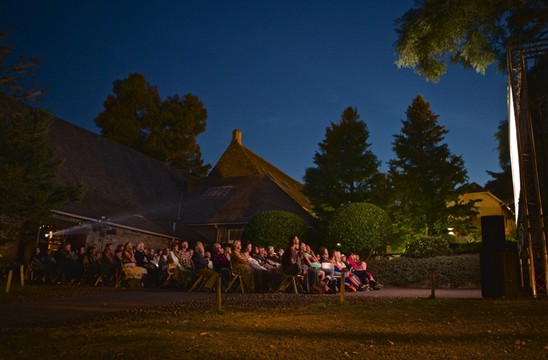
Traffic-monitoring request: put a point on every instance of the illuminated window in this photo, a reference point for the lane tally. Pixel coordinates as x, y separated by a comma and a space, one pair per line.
234, 234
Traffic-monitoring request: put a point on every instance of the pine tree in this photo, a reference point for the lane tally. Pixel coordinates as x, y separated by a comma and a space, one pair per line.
346, 169
28, 174
426, 178
28, 164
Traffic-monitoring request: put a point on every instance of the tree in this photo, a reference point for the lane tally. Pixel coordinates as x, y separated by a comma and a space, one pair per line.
28, 174
13, 76
273, 228
501, 184
136, 116
359, 227
346, 169
472, 33
28, 165
426, 177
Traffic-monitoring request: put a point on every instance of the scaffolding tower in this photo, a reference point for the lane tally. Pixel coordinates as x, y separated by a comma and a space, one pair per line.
527, 187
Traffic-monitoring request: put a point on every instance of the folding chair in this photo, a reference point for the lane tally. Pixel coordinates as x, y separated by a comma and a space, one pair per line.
236, 277
290, 280
200, 281
29, 274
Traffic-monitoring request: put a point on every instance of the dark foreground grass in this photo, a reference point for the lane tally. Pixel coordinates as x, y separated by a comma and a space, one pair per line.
380, 328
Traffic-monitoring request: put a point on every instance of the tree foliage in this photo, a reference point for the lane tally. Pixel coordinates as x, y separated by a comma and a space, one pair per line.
14, 76
346, 169
472, 33
28, 164
427, 246
273, 228
28, 174
426, 177
359, 227
136, 116
501, 183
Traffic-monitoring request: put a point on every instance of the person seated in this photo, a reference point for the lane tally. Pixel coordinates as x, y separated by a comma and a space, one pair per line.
273, 256
359, 268
151, 264
91, 265
140, 255
107, 266
260, 273
185, 256
129, 265
183, 276
38, 267
292, 264
309, 259
49, 261
68, 263
221, 263
240, 266
352, 282
202, 268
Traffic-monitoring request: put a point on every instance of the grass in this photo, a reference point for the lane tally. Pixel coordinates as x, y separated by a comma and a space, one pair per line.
384, 328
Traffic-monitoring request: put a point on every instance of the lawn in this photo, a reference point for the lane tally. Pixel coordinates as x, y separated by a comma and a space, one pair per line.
364, 328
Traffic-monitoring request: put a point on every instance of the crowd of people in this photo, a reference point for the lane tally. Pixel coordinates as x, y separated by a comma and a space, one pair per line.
260, 269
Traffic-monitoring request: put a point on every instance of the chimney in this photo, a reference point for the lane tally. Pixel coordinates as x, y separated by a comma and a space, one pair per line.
237, 136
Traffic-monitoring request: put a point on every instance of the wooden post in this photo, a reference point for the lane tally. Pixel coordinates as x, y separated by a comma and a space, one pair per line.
219, 291
8, 285
433, 283
341, 290
22, 274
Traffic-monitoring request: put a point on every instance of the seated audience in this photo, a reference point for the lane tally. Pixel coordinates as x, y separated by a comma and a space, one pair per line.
202, 268
129, 264
240, 266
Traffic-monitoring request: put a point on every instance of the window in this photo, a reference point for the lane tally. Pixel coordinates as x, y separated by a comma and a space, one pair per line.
217, 191
234, 234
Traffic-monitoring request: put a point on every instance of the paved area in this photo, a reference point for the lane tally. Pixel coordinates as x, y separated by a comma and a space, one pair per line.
42, 312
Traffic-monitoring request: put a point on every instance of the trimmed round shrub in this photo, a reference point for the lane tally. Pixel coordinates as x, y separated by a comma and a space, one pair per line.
427, 246
359, 227
273, 228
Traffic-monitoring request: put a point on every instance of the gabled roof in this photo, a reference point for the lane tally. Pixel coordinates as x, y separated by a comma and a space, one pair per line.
235, 201
239, 161
123, 185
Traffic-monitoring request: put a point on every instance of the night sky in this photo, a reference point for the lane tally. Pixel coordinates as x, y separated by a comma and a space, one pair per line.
280, 71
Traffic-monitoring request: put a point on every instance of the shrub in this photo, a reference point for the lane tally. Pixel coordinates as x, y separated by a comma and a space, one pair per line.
427, 246
273, 228
472, 247
359, 227
451, 271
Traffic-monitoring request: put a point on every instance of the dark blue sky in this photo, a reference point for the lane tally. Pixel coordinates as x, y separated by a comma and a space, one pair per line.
280, 71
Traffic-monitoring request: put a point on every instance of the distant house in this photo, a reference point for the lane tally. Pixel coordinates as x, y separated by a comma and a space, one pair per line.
239, 187
489, 205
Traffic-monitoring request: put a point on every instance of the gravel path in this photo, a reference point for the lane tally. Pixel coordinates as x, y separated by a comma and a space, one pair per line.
59, 311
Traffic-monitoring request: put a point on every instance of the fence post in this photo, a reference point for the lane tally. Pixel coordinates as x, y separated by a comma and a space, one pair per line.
22, 274
219, 291
10, 276
341, 290
433, 283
